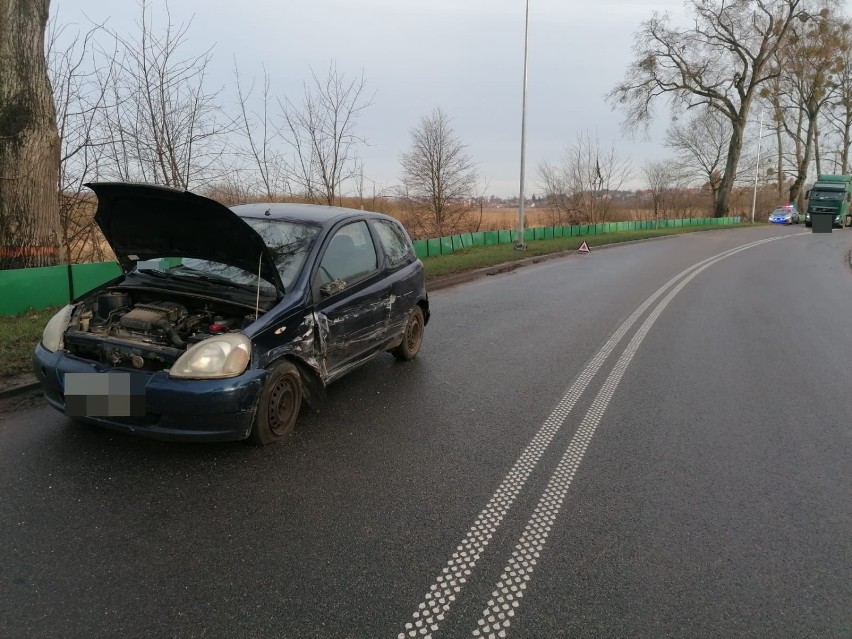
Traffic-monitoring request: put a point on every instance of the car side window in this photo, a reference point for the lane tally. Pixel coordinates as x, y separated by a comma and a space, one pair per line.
349, 257
394, 242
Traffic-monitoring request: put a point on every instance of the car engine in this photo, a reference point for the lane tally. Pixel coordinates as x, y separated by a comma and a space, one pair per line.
144, 333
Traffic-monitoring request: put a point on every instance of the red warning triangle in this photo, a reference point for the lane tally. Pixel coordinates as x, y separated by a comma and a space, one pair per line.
584, 248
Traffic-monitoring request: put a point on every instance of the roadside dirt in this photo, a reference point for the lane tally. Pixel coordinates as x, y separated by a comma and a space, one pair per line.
22, 401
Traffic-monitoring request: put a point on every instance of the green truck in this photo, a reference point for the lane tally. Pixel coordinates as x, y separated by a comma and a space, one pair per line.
830, 194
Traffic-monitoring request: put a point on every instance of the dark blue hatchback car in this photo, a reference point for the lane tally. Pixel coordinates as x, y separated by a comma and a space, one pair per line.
226, 319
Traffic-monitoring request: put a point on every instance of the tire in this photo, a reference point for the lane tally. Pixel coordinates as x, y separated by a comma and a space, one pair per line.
412, 336
279, 404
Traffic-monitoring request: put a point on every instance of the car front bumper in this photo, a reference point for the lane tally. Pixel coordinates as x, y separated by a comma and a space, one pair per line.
175, 409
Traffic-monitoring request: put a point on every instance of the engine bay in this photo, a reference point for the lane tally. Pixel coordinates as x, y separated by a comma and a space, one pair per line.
146, 331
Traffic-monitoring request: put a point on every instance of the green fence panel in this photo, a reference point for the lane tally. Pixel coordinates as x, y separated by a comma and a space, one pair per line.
421, 248
515, 236
458, 245
529, 234
504, 237
539, 232
491, 238
25, 288
467, 240
569, 231
479, 238
583, 229
22, 289
90, 276
170, 262
600, 228
446, 245
548, 232
557, 231
434, 246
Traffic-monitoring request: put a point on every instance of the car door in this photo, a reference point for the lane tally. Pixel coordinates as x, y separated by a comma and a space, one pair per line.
351, 299
402, 279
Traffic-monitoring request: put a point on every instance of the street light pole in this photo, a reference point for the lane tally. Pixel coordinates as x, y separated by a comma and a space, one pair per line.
520, 244
757, 166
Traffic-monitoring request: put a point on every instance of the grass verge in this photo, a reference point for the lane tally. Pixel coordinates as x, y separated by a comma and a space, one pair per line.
18, 336
482, 256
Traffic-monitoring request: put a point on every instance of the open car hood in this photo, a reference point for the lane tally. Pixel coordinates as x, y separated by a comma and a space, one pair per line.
143, 222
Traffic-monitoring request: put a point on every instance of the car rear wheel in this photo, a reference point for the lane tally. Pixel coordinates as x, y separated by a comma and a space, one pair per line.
412, 337
278, 408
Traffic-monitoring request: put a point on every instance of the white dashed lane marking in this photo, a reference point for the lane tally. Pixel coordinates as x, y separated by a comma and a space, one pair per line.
442, 593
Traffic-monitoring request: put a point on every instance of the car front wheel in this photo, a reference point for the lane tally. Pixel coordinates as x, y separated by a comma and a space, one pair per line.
278, 408
412, 337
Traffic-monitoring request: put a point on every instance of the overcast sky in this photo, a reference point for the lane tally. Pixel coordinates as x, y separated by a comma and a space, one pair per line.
465, 56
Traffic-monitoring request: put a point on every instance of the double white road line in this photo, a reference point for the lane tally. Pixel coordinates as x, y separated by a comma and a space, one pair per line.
507, 593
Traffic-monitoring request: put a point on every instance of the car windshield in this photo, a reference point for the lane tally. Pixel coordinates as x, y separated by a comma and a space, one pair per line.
289, 243
782, 212
834, 196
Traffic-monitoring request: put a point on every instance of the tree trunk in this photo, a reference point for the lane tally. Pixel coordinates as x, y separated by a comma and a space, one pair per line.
734, 149
796, 194
780, 168
29, 142
817, 158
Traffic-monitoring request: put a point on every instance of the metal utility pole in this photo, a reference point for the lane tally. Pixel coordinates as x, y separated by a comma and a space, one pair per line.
520, 244
757, 166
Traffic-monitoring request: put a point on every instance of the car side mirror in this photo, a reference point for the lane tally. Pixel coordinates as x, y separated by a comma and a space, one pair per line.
333, 287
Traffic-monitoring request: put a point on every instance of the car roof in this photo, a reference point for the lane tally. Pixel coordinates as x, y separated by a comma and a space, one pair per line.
311, 213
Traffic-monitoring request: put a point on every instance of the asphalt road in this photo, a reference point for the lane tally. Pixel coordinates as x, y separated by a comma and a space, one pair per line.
691, 479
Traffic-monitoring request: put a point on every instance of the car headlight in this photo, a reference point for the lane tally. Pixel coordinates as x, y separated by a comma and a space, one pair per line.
51, 339
216, 357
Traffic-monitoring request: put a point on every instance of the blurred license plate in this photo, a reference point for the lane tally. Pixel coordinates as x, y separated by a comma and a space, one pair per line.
105, 394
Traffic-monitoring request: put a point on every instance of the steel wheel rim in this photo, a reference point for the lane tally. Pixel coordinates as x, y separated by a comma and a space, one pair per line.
282, 406
414, 333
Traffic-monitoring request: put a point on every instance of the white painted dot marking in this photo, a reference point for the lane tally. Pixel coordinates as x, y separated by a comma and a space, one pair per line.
498, 506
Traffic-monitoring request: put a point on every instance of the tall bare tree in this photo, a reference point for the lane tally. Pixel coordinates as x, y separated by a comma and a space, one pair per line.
164, 125
701, 144
258, 138
439, 177
321, 133
664, 179
582, 186
807, 65
29, 143
839, 108
74, 69
721, 61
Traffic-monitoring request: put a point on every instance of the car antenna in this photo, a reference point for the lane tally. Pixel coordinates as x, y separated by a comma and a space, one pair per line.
257, 302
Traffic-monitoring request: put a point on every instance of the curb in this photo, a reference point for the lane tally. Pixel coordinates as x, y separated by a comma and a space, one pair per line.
19, 389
